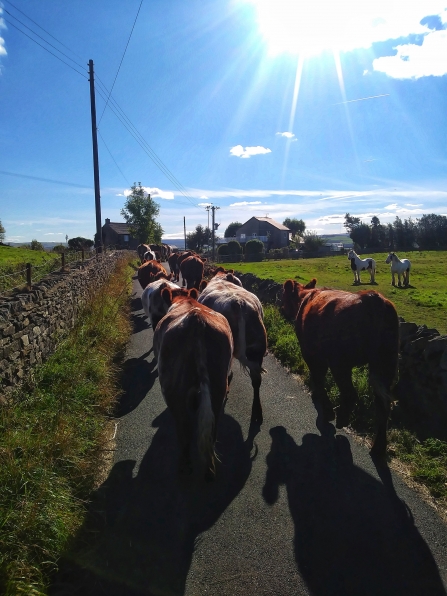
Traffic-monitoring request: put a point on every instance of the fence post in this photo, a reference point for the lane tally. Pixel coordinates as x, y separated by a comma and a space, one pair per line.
82, 254
28, 276
63, 260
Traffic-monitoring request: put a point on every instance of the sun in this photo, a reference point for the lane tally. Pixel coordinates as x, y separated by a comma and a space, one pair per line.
309, 27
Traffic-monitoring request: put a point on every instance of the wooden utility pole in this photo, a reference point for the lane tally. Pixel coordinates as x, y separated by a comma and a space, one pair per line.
213, 209
98, 243
184, 229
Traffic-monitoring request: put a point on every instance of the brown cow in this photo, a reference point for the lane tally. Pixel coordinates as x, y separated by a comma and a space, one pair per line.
194, 349
173, 266
243, 311
339, 330
150, 271
191, 269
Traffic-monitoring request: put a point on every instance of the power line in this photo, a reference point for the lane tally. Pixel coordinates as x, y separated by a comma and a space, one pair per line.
122, 58
114, 159
46, 49
40, 27
147, 149
42, 38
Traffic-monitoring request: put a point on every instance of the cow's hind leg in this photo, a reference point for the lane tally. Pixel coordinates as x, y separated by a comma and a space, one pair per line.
318, 370
382, 402
348, 395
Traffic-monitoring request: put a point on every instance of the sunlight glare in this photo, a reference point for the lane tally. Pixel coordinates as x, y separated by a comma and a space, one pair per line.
309, 27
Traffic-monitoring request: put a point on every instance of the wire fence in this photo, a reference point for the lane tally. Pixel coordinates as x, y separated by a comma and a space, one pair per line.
22, 276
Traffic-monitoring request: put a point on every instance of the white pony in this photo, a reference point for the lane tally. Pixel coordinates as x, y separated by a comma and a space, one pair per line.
358, 264
401, 267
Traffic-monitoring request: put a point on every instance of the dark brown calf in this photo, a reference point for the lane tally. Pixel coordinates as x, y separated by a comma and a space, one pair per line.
340, 330
194, 349
150, 271
191, 269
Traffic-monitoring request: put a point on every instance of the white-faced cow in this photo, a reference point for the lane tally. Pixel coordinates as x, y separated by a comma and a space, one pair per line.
194, 348
243, 311
339, 330
154, 306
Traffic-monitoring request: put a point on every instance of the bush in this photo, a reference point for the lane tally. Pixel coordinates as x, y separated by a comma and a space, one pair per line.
254, 247
222, 250
59, 248
234, 248
312, 241
36, 245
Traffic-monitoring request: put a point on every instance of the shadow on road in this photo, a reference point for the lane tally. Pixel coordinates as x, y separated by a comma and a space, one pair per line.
353, 535
137, 378
142, 530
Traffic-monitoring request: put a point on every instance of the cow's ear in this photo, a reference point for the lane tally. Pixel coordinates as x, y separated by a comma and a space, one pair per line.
203, 285
167, 296
194, 293
311, 284
288, 286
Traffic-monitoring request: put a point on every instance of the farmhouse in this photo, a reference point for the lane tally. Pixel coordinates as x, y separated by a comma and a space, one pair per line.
117, 234
266, 229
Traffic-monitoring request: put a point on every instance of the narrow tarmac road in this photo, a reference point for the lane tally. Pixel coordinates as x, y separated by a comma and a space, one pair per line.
295, 510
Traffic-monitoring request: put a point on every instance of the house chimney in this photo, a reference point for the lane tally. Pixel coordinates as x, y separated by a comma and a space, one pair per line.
107, 220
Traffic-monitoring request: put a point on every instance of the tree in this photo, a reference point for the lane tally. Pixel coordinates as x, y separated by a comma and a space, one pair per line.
296, 226
59, 248
140, 212
2, 232
432, 231
234, 248
36, 245
312, 241
80, 243
196, 240
230, 232
254, 247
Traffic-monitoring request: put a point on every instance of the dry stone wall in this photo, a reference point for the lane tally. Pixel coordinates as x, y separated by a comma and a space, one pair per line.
31, 322
422, 386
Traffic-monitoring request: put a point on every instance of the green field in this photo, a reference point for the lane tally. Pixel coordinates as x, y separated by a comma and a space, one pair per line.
424, 301
12, 256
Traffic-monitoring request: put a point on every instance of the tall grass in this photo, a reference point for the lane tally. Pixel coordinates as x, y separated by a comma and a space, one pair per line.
52, 440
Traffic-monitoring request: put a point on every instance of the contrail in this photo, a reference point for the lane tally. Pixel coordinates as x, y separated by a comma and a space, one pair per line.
44, 179
360, 99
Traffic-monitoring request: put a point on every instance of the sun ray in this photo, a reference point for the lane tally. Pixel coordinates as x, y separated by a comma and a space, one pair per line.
296, 92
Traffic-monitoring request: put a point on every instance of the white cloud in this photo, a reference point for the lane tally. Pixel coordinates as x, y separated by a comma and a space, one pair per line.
239, 151
53, 234
413, 61
243, 203
159, 194
204, 204
391, 207
288, 135
413, 204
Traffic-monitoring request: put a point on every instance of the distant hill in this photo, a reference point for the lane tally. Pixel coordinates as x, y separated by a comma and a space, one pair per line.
344, 238
179, 242
46, 245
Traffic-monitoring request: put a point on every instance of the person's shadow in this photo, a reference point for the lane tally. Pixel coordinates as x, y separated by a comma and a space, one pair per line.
353, 535
142, 530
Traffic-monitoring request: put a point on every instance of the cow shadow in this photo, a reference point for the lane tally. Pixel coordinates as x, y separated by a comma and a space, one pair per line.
142, 529
137, 379
353, 535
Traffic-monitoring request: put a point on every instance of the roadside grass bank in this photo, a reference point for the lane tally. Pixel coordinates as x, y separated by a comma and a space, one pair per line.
53, 438
423, 302
425, 459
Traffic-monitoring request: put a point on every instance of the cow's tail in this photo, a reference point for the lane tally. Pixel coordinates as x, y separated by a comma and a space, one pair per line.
205, 414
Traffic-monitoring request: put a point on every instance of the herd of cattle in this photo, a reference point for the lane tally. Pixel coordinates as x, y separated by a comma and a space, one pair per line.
198, 330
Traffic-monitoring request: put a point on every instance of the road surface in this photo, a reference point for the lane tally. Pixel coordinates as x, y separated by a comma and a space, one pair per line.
295, 509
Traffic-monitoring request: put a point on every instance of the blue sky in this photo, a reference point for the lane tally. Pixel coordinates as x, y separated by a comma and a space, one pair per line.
305, 109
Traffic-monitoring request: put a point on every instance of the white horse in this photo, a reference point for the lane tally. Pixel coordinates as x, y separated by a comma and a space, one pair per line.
401, 267
358, 264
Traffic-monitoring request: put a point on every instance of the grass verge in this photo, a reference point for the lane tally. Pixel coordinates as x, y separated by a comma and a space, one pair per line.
426, 460
52, 440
